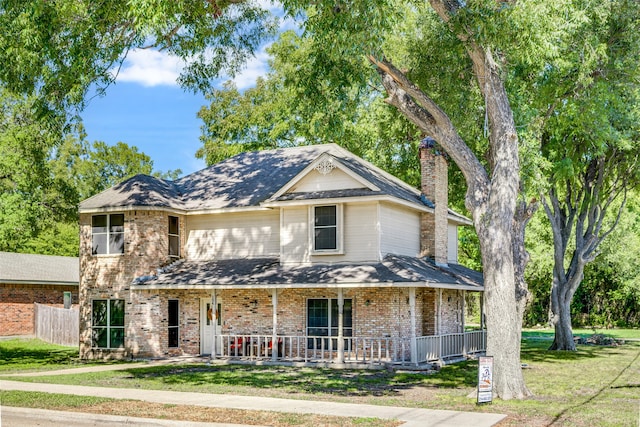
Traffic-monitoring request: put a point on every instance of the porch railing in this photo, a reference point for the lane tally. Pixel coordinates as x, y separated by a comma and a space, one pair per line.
363, 350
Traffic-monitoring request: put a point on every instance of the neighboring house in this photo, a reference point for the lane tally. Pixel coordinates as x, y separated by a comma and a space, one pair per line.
287, 246
28, 278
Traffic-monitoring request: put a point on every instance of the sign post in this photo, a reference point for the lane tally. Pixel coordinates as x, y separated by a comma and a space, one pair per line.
485, 379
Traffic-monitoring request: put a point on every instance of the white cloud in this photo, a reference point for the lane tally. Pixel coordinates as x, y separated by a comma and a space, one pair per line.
257, 66
150, 68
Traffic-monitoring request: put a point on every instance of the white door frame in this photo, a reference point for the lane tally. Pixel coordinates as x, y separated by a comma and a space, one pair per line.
206, 331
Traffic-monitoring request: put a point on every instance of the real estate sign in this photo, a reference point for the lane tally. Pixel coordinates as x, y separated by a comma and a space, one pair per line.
485, 379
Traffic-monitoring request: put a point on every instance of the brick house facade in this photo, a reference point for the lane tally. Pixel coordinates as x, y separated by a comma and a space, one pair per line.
26, 279
285, 244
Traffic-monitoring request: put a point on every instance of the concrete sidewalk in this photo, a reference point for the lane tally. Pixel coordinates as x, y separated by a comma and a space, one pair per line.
413, 417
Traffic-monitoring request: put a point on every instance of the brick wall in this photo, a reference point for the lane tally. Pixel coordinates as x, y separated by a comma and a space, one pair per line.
109, 277
16, 304
382, 312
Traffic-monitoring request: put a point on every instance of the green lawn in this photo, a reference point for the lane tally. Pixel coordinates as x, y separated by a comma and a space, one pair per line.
33, 354
593, 386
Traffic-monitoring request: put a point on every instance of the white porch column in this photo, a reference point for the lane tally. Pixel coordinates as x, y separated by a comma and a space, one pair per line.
340, 325
414, 341
439, 323
464, 309
464, 335
214, 323
274, 337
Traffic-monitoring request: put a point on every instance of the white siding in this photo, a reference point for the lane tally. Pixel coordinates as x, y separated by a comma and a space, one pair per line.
360, 239
452, 244
335, 180
233, 235
294, 234
399, 231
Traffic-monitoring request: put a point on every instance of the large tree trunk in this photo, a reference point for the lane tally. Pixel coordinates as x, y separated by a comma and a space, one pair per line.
561, 318
504, 322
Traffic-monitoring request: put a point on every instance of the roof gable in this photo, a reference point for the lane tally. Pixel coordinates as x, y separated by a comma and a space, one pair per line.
325, 173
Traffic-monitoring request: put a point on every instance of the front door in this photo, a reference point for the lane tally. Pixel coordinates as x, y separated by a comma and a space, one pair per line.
208, 321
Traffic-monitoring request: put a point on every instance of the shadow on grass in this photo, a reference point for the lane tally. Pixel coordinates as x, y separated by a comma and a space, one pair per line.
538, 351
16, 354
309, 380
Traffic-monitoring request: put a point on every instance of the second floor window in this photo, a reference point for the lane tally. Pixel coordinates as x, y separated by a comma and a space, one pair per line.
107, 234
174, 236
325, 228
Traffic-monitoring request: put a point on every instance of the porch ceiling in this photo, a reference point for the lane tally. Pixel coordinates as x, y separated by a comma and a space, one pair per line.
393, 271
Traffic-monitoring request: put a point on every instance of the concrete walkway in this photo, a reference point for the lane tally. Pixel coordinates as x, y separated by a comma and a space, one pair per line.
413, 417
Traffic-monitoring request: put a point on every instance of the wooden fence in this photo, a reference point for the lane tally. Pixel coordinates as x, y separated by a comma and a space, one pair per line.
57, 325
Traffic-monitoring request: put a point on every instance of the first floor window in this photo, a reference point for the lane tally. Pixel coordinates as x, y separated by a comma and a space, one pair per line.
173, 323
322, 319
107, 321
107, 234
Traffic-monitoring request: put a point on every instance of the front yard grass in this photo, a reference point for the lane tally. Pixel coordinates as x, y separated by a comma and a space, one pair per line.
593, 386
24, 355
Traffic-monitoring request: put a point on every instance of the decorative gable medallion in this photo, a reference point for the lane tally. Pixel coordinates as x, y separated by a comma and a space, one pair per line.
325, 166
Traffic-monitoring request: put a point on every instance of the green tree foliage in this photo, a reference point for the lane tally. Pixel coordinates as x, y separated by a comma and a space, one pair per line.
93, 167
42, 180
29, 196
590, 139
58, 49
610, 291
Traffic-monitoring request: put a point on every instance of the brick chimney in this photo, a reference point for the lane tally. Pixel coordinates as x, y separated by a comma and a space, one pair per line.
434, 185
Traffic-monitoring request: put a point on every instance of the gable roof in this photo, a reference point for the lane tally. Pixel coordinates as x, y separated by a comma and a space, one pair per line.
38, 269
394, 270
251, 179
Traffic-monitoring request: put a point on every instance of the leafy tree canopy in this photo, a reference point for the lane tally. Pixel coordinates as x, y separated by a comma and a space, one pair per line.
58, 49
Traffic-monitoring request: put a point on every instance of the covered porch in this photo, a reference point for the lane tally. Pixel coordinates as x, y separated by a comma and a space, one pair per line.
402, 311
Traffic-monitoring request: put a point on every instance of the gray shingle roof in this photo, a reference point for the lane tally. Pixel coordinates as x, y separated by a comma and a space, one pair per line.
245, 180
30, 268
268, 272
139, 190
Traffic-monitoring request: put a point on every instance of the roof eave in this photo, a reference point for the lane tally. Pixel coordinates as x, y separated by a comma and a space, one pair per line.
37, 282
354, 199
342, 285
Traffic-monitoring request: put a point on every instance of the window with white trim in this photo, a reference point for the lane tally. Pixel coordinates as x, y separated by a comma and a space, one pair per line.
107, 323
174, 237
107, 234
327, 235
322, 317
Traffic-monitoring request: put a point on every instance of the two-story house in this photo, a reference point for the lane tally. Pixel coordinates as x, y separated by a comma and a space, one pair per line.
310, 250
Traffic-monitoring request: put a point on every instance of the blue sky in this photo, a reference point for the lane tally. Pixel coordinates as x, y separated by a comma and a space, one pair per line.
147, 109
